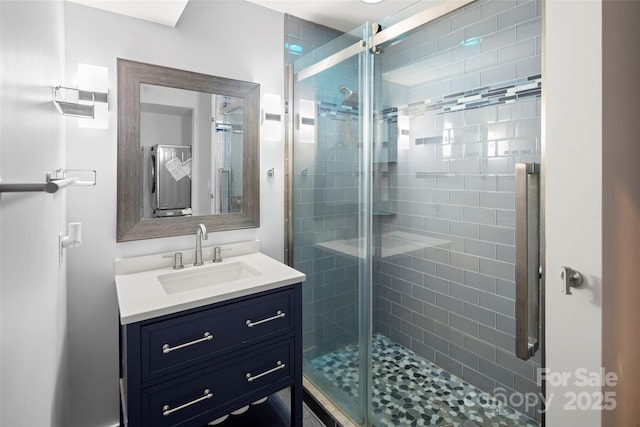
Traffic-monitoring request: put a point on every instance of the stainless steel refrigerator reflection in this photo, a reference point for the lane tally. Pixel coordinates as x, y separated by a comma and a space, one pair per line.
170, 180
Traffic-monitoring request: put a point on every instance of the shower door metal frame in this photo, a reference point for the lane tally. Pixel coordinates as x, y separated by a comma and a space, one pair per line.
542, 219
288, 163
408, 24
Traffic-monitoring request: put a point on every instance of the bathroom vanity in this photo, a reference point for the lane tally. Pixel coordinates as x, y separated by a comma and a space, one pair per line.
200, 343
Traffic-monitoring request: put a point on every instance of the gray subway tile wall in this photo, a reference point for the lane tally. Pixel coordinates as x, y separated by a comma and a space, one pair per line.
462, 187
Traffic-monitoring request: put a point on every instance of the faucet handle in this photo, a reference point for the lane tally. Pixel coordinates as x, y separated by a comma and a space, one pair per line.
217, 253
177, 260
217, 256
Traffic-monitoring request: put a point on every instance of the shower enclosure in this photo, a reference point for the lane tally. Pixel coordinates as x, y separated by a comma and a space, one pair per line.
403, 141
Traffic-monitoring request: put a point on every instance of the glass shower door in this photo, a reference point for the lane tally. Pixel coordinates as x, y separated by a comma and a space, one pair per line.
403, 213
457, 106
331, 225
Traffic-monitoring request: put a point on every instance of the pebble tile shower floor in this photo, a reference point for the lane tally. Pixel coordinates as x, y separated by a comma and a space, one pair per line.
408, 390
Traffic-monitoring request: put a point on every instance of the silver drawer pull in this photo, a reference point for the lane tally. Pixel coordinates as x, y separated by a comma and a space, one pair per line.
279, 314
279, 366
166, 411
168, 349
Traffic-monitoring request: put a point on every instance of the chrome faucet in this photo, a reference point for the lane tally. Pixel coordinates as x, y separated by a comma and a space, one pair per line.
201, 234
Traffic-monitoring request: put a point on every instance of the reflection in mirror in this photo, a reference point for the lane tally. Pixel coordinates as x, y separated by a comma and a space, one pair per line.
227, 157
188, 152
191, 145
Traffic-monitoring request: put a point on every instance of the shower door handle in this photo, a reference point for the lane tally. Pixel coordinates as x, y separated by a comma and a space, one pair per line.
528, 268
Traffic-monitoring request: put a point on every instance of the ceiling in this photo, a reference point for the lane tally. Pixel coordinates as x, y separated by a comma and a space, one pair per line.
342, 15
165, 12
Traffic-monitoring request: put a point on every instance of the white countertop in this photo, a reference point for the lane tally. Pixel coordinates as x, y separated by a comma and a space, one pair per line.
141, 295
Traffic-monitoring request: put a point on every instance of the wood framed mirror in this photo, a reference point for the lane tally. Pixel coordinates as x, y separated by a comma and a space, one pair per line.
206, 187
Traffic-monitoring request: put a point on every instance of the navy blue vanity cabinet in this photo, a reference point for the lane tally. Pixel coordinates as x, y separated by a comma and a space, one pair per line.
192, 367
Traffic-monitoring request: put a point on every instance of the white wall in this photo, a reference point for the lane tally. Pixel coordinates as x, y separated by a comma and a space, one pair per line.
572, 130
226, 38
33, 337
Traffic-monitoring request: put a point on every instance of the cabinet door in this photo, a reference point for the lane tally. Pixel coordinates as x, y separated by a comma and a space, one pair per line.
206, 395
179, 342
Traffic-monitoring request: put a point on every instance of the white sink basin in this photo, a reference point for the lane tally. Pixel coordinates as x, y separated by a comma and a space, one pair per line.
148, 287
203, 277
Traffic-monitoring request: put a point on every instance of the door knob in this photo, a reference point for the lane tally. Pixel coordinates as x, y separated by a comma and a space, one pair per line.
570, 279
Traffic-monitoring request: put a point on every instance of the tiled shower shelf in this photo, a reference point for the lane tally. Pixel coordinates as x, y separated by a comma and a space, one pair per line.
393, 243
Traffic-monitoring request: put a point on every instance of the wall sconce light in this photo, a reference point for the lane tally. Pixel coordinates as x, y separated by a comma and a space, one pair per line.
74, 102
93, 78
307, 124
271, 117
88, 101
403, 132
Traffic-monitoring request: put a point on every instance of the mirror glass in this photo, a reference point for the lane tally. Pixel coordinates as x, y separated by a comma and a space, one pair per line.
188, 152
191, 146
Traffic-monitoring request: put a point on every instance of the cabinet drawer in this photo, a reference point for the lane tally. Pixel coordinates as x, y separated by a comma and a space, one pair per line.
179, 342
203, 396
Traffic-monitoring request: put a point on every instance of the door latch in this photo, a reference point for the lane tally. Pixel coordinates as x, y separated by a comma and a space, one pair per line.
570, 279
